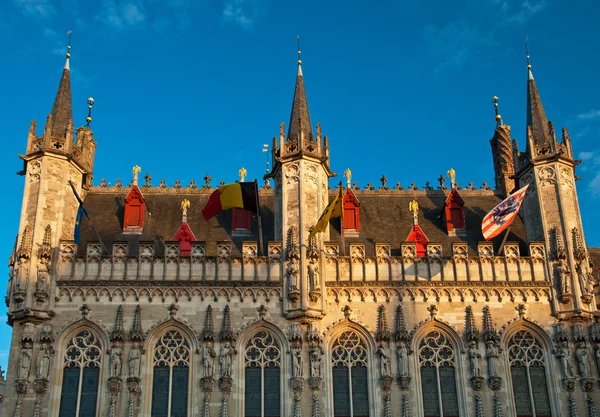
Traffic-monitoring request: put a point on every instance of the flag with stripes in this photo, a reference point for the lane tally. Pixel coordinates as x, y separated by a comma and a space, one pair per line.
501, 216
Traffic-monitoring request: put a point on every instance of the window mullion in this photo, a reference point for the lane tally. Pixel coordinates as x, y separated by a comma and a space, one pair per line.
439, 389
350, 389
170, 389
262, 390
530, 391
79, 388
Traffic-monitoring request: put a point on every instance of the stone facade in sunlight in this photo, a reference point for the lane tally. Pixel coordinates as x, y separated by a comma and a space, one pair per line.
400, 308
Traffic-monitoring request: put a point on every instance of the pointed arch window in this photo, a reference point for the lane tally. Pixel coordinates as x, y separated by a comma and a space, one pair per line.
81, 376
262, 357
438, 376
528, 375
170, 375
350, 376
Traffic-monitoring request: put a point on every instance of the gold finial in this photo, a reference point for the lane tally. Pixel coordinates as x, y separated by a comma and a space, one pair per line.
242, 173
298, 40
185, 205
69, 45
527, 53
413, 206
88, 119
348, 175
136, 170
497, 118
452, 176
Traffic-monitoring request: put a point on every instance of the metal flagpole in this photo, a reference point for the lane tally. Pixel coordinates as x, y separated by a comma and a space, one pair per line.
88, 217
260, 231
342, 237
504, 239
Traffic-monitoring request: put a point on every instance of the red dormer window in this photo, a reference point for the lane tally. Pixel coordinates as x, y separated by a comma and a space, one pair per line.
351, 212
454, 214
135, 208
185, 237
241, 221
418, 236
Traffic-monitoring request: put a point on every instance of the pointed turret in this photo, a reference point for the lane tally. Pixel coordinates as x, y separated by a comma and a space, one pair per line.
62, 110
536, 116
502, 151
300, 118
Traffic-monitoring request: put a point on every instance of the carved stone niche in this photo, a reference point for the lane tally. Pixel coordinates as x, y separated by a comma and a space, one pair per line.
198, 249
274, 250
511, 250
224, 250
460, 250
382, 252
485, 250
249, 249
408, 250
434, 251
146, 253
120, 251
172, 251
93, 252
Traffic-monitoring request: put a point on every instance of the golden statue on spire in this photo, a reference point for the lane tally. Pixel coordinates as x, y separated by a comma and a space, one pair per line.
452, 176
136, 170
348, 175
413, 206
185, 205
242, 173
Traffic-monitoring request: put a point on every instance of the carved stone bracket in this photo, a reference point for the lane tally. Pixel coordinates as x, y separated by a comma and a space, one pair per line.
587, 384
569, 384
477, 382
114, 384
297, 384
133, 385
404, 382
495, 383
314, 383
41, 386
22, 386
207, 384
386, 383
225, 384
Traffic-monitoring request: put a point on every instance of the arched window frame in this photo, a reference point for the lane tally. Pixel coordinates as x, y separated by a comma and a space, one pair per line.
372, 375
545, 343
57, 362
461, 375
147, 366
239, 379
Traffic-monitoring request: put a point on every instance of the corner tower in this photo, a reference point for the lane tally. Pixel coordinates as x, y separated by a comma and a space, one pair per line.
49, 207
300, 172
550, 210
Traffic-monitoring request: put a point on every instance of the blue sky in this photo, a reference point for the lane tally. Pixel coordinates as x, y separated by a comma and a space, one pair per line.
184, 87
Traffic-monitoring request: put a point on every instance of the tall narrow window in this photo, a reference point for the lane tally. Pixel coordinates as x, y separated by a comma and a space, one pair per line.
170, 376
438, 376
262, 376
349, 366
81, 375
528, 375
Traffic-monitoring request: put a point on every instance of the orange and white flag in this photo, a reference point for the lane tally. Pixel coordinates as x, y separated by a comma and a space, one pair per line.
501, 216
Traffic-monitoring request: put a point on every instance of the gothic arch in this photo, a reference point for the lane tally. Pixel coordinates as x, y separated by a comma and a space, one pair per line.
242, 339
418, 334
152, 336
65, 334
331, 336
544, 339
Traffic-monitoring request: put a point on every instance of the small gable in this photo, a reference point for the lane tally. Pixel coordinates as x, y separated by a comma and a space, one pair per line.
135, 209
453, 215
418, 236
185, 237
351, 212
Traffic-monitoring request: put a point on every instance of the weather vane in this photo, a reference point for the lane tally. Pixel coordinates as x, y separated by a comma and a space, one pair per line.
498, 118
298, 40
88, 119
69, 44
527, 53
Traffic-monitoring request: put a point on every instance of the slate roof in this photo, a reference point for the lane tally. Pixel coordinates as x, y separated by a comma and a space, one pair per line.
384, 218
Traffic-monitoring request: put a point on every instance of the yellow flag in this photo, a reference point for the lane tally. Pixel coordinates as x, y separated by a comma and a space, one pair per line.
334, 209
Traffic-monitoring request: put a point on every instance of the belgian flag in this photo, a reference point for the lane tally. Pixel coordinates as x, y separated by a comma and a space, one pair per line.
240, 194
333, 210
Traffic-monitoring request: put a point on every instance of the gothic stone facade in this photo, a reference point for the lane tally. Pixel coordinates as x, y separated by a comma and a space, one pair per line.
409, 314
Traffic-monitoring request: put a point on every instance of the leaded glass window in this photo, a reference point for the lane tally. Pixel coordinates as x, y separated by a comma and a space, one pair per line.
170, 376
528, 375
438, 376
81, 376
349, 369
262, 376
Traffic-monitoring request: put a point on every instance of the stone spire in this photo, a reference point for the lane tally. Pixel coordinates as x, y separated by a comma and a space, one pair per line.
226, 330
536, 116
300, 119
118, 332
502, 152
61, 116
137, 334
208, 333
383, 331
471, 331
